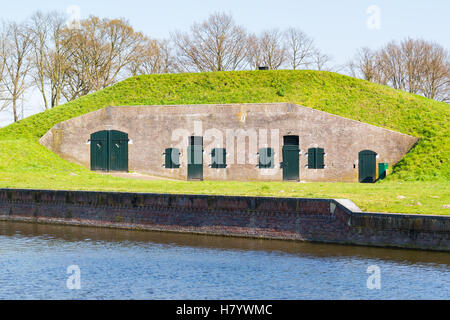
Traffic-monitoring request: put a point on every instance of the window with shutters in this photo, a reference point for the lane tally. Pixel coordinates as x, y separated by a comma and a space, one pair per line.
172, 158
266, 158
316, 158
219, 158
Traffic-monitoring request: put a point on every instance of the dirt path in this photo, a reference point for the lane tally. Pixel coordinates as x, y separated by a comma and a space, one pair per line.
135, 175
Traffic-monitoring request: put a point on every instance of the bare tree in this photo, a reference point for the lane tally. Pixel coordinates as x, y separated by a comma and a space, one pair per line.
299, 48
436, 74
4, 101
415, 66
99, 51
365, 65
40, 29
49, 57
427, 68
273, 52
154, 57
254, 52
58, 62
320, 61
267, 50
391, 65
16, 59
217, 44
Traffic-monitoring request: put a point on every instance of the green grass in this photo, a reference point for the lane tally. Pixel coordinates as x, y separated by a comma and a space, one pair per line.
422, 176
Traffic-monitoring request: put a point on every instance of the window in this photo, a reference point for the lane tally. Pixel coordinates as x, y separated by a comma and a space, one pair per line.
266, 158
316, 158
172, 158
219, 158
291, 140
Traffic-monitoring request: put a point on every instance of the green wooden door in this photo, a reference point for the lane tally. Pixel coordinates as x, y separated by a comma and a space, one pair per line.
195, 158
109, 151
118, 151
99, 151
291, 166
367, 166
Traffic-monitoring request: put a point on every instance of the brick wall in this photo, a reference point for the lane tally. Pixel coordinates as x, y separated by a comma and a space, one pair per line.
322, 220
152, 129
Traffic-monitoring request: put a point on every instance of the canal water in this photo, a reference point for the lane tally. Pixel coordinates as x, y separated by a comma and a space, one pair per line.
118, 264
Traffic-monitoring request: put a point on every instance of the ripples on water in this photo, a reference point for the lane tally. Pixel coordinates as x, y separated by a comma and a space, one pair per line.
117, 264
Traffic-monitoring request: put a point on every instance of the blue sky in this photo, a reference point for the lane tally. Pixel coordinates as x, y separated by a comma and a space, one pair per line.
339, 28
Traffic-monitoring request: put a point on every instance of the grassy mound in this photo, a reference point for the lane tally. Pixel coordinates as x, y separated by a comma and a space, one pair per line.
330, 92
25, 163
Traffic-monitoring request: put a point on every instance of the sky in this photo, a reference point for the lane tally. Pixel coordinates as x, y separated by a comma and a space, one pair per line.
338, 28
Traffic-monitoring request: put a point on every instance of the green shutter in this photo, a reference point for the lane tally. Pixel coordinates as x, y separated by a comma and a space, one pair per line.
312, 158
172, 158
168, 158
316, 158
266, 158
219, 158
320, 163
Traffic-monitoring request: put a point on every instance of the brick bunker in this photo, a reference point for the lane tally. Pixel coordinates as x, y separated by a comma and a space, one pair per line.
244, 142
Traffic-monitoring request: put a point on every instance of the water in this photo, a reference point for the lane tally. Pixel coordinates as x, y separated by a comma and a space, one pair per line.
118, 264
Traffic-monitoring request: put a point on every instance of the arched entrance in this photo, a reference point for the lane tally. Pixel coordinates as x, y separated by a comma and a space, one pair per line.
109, 151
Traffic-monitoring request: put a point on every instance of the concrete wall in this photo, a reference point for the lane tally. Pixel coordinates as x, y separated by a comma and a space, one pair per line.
152, 129
321, 220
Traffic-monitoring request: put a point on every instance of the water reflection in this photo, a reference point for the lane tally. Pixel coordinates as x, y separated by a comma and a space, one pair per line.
121, 264
138, 238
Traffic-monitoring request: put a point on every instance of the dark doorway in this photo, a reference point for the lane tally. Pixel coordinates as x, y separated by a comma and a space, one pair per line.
291, 161
195, 158
367, 166
109, 151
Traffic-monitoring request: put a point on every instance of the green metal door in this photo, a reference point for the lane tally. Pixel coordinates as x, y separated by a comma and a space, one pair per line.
291, 166
367, 166
99, 151
118, 151
109, 151
195, 158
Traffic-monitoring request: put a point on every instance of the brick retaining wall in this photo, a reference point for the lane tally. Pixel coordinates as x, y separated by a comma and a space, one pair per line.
322, 220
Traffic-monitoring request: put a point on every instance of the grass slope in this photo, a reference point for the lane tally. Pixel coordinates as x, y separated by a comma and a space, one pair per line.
26, 164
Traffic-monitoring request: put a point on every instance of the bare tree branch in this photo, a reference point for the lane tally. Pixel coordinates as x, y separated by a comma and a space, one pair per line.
299, 47
16, 59
217, 44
